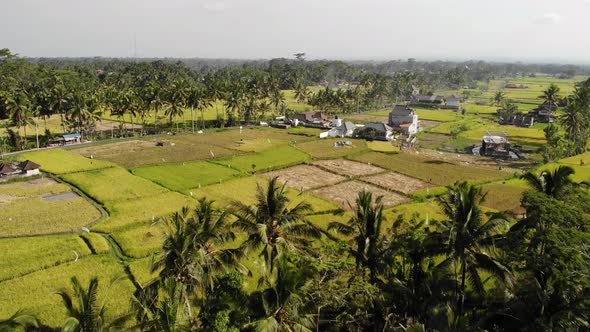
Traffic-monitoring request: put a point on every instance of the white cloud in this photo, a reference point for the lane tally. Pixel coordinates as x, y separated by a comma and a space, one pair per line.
549, 18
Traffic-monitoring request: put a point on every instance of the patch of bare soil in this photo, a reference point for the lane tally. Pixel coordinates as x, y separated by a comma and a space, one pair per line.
346, 192
61, 197
39, 182
115, 148
6, 198
347, 167
427, 124
305, 177
397, 182
479, 161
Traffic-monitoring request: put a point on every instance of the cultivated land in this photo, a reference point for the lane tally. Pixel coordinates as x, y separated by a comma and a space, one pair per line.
137, 183
305, 177
397, 182
42, 206
348, 168
345, 193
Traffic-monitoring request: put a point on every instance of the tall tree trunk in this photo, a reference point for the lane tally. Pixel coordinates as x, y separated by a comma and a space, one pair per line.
202, 119
461, 302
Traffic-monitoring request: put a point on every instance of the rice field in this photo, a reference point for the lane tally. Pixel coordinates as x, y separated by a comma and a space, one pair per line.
185, 176
431, 171
26, 209
136, 153
21, 256
59, 161
36, 291
326, 148
265, 160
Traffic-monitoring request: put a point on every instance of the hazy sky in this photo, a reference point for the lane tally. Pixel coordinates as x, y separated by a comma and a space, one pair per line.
527, 30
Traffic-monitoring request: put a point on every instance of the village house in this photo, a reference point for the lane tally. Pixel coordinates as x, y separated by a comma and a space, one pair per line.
426, 99
452, 103
516, 86
29, 168
375, 130
345, 129
519, 120
67, 139
7, 170
404, 119
495, 144
544, 114
25, 168
311, 118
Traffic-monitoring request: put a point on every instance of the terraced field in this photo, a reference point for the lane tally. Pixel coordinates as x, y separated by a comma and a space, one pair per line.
138, 183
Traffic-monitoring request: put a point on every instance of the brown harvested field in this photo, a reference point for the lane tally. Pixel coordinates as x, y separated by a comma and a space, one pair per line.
398, 182
435, 171
348, 167
345, 192
136, 153
324, 148
305, 177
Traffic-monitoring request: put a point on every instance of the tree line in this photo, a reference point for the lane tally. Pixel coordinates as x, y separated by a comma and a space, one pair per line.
470, 270
84, 91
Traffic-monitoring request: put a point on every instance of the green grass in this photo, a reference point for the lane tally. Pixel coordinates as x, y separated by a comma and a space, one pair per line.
58, 161
113, 184
430, 170
503, 196
520, 135
244, 190
467, 122
98, 242
129, 213
25, 255
181, 177
141, 270
269, 159
324, 148
380, 146
36, 291
480, 109
141, 241
26, 212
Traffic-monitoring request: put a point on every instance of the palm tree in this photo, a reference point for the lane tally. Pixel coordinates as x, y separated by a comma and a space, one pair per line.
155, 100
469, 239
498, 98
193, 249
85, 314
273, 225
60, 98
20, 320
20, 110
280, 304
177, 100
551, 96
550, 183
158, 307
365, 226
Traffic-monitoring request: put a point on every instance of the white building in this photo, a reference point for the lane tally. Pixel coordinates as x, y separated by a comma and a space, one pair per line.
345, 129
404, 119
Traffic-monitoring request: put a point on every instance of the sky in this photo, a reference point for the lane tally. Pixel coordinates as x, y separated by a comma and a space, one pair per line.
505, 30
